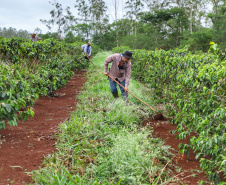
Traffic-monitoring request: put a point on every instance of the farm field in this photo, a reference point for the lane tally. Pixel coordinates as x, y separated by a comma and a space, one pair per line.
103, 141
24, 147
61, 125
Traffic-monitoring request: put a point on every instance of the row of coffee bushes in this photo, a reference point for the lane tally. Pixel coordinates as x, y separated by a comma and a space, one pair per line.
16, 50
193, 88
30, 69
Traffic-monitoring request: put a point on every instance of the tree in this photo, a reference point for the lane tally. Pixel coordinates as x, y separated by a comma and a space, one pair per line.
135, 7
216, 4
83, 30
83, 11
158, 4
105, 40
218, 18
92, 15
116, 4
168, 25
69, 38
12, 32
99, 16
198, 40
63, 22
195, 10
48, 35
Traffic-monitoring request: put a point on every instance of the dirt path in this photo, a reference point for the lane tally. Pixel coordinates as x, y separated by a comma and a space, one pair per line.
22, 148
191, 172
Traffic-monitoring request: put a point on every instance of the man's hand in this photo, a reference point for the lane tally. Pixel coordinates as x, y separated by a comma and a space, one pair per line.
126, 89
106, 73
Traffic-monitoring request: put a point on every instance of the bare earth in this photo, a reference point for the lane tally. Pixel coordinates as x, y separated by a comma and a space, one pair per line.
23, 148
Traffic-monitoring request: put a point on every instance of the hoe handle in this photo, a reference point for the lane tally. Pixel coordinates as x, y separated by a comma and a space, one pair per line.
132, 94
91, 62
89, 59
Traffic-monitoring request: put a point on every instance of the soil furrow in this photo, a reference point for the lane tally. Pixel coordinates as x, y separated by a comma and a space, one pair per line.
23, 148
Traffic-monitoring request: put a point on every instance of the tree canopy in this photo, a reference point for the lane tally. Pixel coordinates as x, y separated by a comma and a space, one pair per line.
165, 24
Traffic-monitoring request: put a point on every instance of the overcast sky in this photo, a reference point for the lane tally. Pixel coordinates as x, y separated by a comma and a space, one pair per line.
26, 14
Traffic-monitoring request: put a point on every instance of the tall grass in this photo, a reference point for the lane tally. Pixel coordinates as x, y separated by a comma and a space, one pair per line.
103, 142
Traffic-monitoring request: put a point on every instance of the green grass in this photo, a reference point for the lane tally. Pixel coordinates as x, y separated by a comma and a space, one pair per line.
103, 140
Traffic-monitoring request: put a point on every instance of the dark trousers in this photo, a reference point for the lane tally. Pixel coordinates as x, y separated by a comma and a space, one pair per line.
86, 58
113, 85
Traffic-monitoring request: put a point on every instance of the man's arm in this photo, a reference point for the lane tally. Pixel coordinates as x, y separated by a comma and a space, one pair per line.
107, 61
82, 47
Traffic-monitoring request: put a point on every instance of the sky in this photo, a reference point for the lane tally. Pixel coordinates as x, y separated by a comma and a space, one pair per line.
26, 14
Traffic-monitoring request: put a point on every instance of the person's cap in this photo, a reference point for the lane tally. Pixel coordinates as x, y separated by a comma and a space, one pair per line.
89, 43
33, 34
127, 54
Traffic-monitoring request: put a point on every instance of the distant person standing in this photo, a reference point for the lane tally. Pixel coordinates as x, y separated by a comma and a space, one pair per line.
34, 37
86, 49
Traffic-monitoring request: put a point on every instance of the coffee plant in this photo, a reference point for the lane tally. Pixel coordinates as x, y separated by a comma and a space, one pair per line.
30, 69
193, 88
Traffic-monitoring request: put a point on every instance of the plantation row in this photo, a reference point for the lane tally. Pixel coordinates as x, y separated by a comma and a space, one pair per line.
193, 88
30, 69
103, 142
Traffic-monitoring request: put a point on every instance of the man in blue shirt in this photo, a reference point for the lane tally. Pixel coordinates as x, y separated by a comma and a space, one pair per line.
86, 49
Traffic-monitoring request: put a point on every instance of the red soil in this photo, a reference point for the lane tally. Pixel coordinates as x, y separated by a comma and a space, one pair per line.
23, 148
191, 171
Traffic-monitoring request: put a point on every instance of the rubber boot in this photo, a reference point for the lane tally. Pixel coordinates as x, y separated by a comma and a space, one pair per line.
115, 94
125, 97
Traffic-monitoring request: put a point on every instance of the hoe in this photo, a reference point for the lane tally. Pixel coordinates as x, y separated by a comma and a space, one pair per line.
158, 115
89, 59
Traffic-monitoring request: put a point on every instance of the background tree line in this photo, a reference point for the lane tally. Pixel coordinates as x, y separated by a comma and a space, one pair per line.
146, 24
